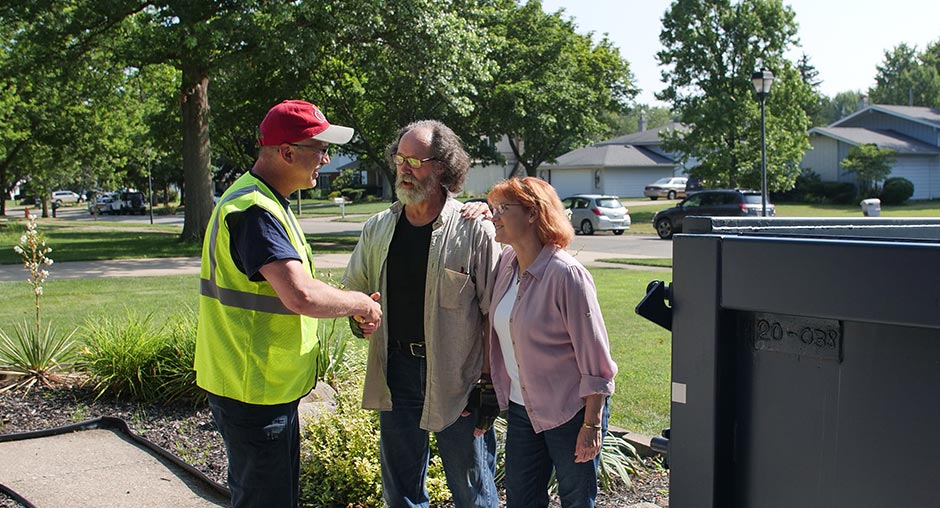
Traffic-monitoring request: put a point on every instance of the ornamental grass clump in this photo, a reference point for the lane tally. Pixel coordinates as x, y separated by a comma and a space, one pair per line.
32, 352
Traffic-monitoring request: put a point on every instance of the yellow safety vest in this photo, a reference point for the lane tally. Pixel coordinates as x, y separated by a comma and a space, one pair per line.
249, 346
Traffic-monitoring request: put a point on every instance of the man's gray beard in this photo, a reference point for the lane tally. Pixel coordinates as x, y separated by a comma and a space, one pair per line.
419, 193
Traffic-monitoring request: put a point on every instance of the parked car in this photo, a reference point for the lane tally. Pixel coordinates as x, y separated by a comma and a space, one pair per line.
594, 212
133, 202
693, 184
106, 203
719, 202
61, 197
669, 188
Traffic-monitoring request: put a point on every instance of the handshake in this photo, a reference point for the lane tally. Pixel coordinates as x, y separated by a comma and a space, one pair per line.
363, 326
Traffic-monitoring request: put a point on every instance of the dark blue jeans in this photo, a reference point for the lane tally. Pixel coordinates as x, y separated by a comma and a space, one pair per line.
469, 462
531, 456
262, 444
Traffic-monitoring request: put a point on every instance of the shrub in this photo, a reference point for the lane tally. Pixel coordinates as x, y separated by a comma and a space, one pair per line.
166, 210
842, 193
340, 452
353, 194
896, 191
340, 456
175, 375
810, 188
131, 356
121, 355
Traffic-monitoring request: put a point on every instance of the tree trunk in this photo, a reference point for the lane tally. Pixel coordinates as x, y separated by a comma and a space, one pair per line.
196, 162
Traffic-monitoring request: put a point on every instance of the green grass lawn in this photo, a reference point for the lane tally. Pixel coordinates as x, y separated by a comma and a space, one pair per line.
641, 349
82, 241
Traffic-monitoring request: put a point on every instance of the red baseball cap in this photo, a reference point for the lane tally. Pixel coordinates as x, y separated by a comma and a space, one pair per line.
293, 121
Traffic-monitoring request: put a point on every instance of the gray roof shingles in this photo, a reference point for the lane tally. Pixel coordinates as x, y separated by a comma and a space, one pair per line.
900, 143
607, 155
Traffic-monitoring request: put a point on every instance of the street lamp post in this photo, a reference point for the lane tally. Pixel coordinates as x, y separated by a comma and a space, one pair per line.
763, 80
150, 193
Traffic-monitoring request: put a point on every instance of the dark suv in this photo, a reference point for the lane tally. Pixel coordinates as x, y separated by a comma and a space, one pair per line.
708, 203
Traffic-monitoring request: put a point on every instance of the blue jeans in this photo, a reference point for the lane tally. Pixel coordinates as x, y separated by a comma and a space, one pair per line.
469, 462
262, 444
531, 456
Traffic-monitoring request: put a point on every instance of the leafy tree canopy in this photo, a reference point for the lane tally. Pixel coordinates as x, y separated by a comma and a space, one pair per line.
907, 77
711, 48
553, 86
870, 165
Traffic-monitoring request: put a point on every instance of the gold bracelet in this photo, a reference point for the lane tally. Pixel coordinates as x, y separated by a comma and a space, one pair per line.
587, 425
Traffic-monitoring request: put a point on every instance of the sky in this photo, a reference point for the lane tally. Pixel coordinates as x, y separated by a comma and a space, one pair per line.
845, 41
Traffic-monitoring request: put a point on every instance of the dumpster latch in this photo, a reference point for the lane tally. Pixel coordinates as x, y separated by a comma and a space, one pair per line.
653, 305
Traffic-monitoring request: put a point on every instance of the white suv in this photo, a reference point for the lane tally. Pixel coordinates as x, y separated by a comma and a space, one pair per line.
60, 197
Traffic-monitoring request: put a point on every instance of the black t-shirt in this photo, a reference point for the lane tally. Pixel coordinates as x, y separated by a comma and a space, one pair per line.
407, 268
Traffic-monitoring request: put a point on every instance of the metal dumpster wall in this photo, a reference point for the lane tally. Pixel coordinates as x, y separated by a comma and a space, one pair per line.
805, 372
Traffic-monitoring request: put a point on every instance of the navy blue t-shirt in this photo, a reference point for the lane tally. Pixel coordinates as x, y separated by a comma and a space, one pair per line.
258, 238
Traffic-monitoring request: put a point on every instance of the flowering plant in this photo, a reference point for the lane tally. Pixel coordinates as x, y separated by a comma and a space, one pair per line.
33, 248
34, 353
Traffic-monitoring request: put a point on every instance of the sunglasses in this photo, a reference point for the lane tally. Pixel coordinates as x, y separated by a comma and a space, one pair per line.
324, 150
413, 162
502, 208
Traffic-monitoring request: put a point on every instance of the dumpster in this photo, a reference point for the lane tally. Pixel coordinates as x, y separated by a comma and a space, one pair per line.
871, 207
805, 362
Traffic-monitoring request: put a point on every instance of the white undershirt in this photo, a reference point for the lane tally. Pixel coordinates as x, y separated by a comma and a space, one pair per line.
501, 324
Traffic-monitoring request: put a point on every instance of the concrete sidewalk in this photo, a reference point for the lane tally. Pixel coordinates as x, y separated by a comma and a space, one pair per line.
182, 266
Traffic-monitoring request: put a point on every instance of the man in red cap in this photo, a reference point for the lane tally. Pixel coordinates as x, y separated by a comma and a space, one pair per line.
256, 346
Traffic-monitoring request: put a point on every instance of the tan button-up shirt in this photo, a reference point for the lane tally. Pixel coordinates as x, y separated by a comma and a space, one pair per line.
461, 271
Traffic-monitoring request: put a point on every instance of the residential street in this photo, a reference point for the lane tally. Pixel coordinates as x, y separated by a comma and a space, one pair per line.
586, 249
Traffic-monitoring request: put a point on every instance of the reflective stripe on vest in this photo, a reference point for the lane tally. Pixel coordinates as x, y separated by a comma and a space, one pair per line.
232, 297
249, 346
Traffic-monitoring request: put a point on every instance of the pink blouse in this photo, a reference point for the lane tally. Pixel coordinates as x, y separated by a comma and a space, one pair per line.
558, 336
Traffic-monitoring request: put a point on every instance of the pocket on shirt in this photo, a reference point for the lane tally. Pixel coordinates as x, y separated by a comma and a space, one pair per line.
456, 289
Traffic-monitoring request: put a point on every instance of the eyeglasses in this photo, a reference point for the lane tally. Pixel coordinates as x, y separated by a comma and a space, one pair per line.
413, 162
503, 208
324, 149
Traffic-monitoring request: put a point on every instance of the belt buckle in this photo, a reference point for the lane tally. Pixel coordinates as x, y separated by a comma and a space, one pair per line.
416, 349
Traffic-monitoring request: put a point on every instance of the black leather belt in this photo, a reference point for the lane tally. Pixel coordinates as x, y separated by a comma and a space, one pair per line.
416, 349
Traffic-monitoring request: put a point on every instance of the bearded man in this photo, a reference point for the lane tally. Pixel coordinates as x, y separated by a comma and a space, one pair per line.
434, 271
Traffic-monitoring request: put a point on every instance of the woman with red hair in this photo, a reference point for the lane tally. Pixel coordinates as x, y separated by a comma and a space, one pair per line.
549, 354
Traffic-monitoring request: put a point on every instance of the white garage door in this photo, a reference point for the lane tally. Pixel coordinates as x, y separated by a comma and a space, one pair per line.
629, 183
572, 181
921, 172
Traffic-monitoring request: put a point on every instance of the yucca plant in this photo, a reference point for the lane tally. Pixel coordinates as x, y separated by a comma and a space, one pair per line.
618, 461
34, 355
32, 352
331, 357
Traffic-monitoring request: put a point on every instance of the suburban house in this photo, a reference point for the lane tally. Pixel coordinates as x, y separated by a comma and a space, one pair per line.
912, 132
482, 177
621, 166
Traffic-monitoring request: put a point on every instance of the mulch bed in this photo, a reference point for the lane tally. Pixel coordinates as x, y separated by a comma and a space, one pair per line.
189, 433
